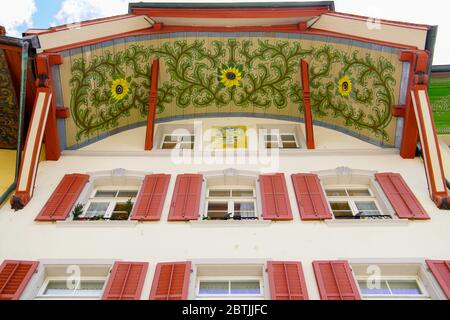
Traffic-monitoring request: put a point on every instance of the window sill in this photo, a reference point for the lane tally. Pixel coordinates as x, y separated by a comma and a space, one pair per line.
97, 224
230, 223
368, 223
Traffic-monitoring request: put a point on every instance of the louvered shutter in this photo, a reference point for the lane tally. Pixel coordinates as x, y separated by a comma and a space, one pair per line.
401, 197
171, 281
441, 272
14, 276
186, 197
286, 281
150, 201
311, 200
275, 197
63, 199
126, 281
335, 280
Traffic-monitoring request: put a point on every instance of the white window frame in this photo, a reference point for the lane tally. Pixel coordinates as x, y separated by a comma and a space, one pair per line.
279, 141
351, 200
230, 296
179, 141
231, 200
41, 293
424, 296
112, 201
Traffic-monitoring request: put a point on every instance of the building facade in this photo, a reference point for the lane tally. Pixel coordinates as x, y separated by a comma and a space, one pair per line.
243, 151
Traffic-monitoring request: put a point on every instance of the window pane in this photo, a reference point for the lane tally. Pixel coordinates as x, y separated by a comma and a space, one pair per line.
336, 193
187, 145
271, 145
90, 288
106, 194
244, 209
289, 145
271, 137
217, 210
58, 287
169, 145
219, 193
170, 138
245, 287
341, 210
187, 138
367, 208
213, 287
97, 209
288, 137
243, 193
358, 192
371, 287
405, 287
127, 194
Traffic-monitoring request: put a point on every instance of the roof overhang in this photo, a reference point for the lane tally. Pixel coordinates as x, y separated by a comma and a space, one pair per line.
231, 14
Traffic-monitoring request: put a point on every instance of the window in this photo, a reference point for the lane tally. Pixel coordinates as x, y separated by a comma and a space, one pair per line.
280, 141
394, 280
236, 203
110, 204
178, 141
395, 287
233, 288
61, 287
355, 202
229, 137
229, 281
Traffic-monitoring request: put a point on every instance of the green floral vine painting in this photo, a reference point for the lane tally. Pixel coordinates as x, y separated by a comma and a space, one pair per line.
355, 90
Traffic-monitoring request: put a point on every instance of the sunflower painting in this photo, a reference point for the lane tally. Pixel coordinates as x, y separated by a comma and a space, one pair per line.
345, 86
230, 76
119, 89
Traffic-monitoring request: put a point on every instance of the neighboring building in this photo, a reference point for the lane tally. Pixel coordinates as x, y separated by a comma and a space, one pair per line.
255, 151
439, 92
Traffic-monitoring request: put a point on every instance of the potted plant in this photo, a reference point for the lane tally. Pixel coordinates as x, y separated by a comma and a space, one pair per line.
77, 212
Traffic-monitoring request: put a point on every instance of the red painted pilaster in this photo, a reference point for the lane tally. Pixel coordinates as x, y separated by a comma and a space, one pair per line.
152, 106
44, 63
304, 70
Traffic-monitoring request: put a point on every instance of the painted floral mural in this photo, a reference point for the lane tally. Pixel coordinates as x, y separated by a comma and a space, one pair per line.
350, 89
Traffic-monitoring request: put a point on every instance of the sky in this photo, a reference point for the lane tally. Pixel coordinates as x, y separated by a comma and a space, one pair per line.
20, 15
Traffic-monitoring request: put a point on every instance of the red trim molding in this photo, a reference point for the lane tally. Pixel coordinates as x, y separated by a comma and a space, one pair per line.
152, 106
44, 64
307, 109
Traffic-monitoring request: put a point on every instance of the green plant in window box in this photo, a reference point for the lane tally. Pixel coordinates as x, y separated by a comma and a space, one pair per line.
77, 211
122, 211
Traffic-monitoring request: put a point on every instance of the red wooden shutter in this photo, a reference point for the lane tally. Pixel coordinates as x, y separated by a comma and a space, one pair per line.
126, 281
171, 281
311, 200
14, 276
275, 197
150, 201
441, 271
63, 198
335, 280
401, 196
286, 281
186, 197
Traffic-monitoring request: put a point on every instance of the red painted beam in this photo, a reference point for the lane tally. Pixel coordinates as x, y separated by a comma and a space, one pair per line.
309, 128
44, 63
152, 106
410, 134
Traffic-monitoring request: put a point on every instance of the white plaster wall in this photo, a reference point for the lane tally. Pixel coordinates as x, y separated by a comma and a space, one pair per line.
23, 238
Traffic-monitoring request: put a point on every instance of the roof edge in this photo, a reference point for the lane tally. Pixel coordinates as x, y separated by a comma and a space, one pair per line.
228, 5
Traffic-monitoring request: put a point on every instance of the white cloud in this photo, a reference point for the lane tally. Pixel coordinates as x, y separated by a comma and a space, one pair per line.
12, 16
80, 10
